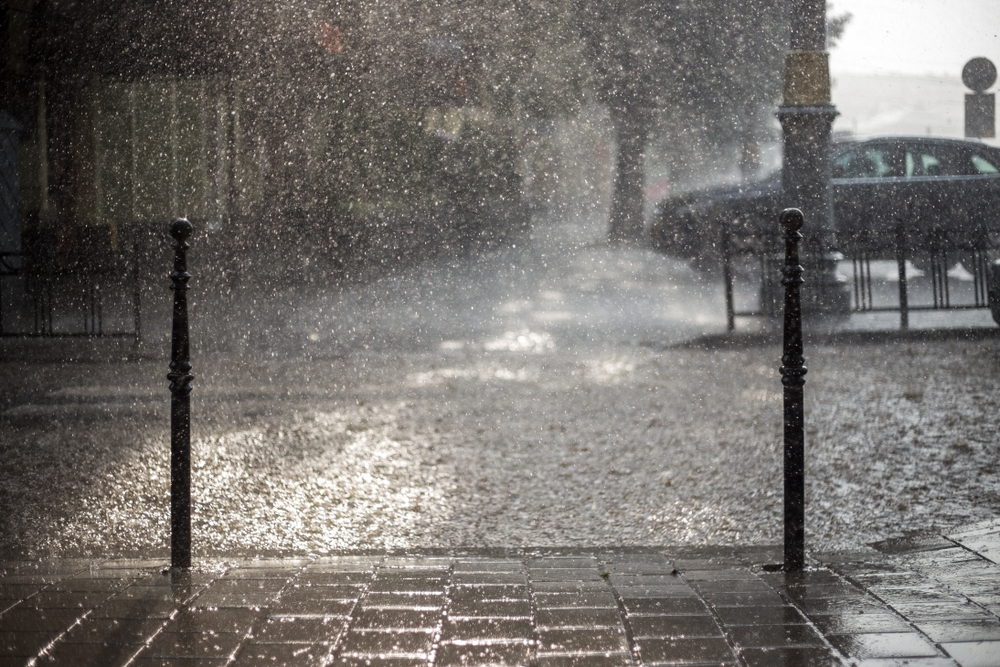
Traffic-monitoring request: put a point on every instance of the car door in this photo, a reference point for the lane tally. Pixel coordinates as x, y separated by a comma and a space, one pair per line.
953, 190
869, 191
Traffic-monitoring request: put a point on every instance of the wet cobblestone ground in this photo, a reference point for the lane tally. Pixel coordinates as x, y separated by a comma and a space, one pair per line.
924, 601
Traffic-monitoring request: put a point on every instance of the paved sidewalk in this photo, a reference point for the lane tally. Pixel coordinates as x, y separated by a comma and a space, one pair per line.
930, 600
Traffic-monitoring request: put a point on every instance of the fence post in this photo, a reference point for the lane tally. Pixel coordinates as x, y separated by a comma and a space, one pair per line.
904, 305
727, 277
180, 404
793, 373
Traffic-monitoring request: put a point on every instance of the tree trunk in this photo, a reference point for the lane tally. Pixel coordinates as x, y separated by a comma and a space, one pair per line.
626, 224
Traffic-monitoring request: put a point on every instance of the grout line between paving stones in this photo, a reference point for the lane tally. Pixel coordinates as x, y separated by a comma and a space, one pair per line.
337, 647
633, 647
443, 616
536, 636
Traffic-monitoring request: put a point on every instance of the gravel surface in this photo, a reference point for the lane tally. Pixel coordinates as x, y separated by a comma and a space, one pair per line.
536, 396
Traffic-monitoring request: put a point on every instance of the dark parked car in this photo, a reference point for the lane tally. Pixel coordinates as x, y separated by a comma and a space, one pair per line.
947, 187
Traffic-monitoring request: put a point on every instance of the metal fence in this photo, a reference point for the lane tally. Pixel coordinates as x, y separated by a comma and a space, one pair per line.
97, 296
903, 271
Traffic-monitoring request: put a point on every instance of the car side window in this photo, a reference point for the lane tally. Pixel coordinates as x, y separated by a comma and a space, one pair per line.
924, 163
864, 162
983, 166
946, 161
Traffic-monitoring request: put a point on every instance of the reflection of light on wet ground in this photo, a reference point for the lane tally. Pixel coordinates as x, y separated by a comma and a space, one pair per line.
482, 373
521, 341
605, 370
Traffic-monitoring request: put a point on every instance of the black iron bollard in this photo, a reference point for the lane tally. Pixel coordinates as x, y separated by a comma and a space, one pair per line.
793, 373
180, 404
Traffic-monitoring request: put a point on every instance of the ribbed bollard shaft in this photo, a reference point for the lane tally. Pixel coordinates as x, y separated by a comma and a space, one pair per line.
180, 404
793, 373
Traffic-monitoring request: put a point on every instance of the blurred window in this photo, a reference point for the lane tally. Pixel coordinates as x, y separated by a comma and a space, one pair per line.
923, 163
946, 161
984, 166
864, 162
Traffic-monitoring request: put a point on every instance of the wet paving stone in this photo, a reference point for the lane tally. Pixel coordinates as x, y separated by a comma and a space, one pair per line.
66, 600
763, 636
458, 611
321, 578
297, 630
106, 655
25, 644
567, 574
663, 580
569, 586
486, 578
406, 585
194, 645
749, 599
842, 606
178, 662
974, 654
583, 660
377, 661
923, 611
575, 600
411, 643
466, 655
563, 562
883, 645
214, 620
674, 626
486, 630
133, 632
790, 657
685, 651
918, 596
722, 574
26, 619
89, 585
492, 609
596, 640
268, 655
404, 600
478, 592
655, 591
822, 591
311, 608
489, 566
760, 615
968, 630
714, 586
861, 623
673, 606
135, 609
577, 618
402, 619
301, 593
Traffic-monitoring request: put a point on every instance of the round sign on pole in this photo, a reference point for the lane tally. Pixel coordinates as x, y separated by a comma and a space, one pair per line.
979, 74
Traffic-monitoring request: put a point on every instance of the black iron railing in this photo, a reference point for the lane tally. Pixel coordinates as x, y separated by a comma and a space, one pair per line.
42, 297
900, 272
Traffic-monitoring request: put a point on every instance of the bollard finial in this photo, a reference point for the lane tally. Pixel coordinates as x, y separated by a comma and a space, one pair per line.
791, 219
180, 229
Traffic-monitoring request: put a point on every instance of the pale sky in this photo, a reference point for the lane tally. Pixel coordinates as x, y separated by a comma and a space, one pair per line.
915, 36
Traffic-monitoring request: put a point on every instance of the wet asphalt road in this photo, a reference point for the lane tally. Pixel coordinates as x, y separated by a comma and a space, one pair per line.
535, 396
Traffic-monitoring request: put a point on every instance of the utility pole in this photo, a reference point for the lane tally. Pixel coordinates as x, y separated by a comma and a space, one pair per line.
806, 116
